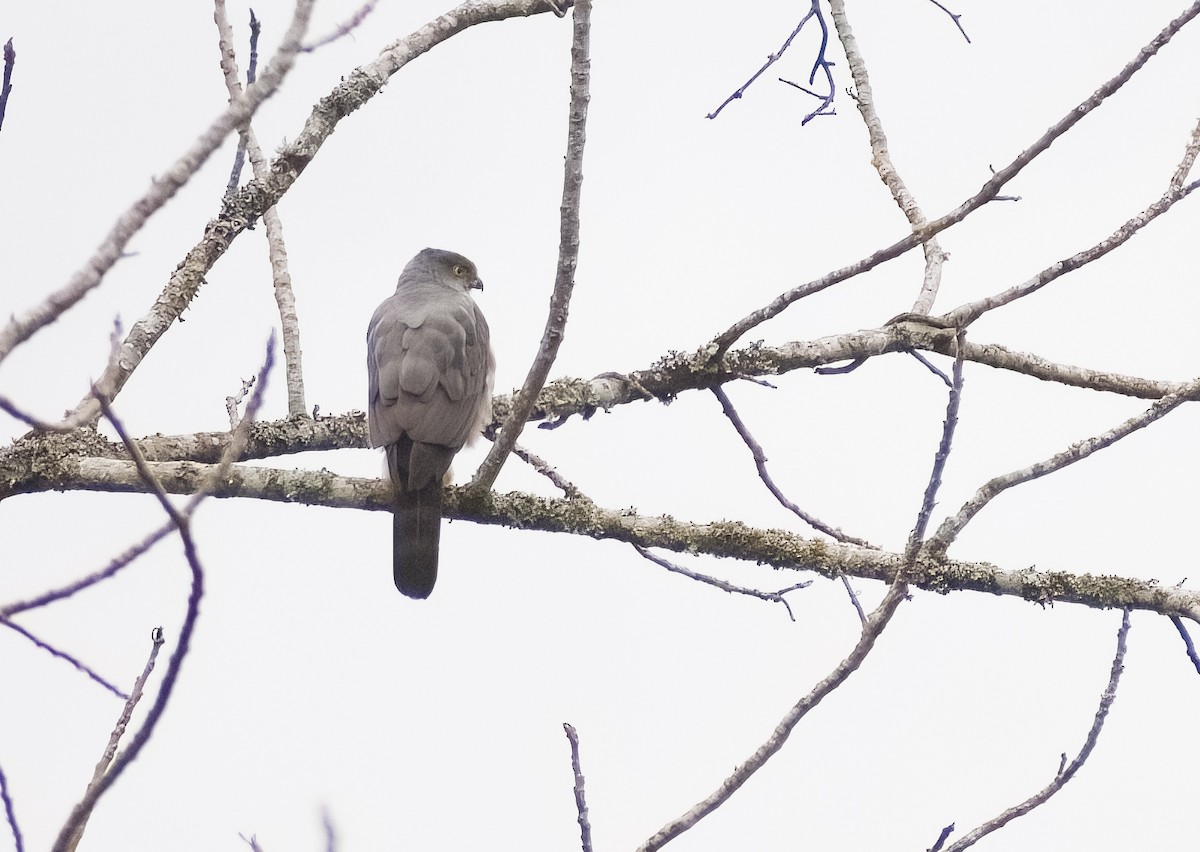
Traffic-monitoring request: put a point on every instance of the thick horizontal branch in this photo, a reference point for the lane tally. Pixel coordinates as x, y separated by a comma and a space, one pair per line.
22, 463
729, 539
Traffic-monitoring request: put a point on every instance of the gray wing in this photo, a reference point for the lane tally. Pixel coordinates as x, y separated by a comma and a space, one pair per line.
428, 369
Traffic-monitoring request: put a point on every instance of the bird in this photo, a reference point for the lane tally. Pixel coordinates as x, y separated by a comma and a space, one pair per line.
430, 369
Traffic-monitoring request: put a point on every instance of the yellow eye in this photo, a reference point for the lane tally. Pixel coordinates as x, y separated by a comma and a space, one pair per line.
459, 270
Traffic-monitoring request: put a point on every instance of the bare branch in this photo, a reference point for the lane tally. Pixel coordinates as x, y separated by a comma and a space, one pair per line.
760, 463
956, 18
547, 470
10, 61
730, 539
1187, 641
253, 200
21, 328
62, 655
771, 597
940, 457
1189, 159
585, 828
11, 814
881, 157
345, 28
1078, 451
64, 592
281, 277
968, 313
876, 622
987, 193
131, 701
1064, 774
821, 63
568, 253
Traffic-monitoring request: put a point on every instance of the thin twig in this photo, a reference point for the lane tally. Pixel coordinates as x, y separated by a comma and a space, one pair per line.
942, 838
1189, 159
966, 314
821, 63
876, 622
10, 61
21, 328
956, 18
10, 813
62, 655
568, 253
760, 463
1187, 641
569, 489
131, 701
1078, 451
343, 29
585, 828
771, 597
1064, 774
929, 500
114, 566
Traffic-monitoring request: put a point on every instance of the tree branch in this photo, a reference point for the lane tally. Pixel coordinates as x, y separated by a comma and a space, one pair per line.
987, 192
1065, 774
568, 253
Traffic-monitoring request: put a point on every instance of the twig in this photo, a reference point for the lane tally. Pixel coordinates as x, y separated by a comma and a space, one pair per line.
929, 499
957, 23
971, 311
1064, 774
10, 60
988, 192
343, 29
62, 655
10, 813
21, 328
547, 470
820, 63
1187, 641
760, 463
64, 592
1078, 451
228, 57
568, 253
876, 622
330, 832
942, 838
1189, 159
585, 828
131, 701
771, 597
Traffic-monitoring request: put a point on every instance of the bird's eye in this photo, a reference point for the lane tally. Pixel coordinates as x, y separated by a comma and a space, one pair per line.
459, 270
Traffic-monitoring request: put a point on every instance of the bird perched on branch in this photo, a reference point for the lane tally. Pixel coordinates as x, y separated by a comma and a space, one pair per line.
429, 374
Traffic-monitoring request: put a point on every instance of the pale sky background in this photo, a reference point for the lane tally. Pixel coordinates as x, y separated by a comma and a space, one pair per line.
313, 685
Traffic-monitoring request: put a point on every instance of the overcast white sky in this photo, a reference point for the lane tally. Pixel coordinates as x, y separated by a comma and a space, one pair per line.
313, 685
